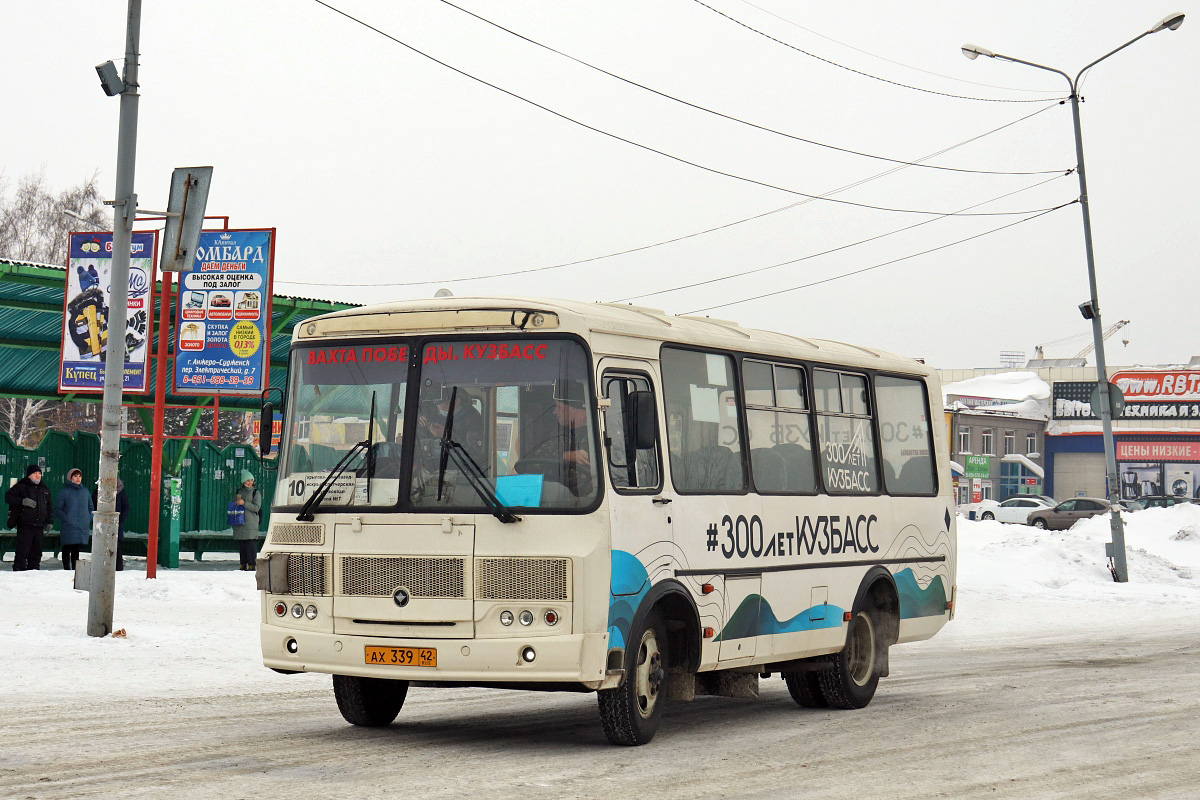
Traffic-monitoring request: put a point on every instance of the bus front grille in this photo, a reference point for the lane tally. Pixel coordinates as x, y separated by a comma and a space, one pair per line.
522, 579
307, 574
293, 533
428, 577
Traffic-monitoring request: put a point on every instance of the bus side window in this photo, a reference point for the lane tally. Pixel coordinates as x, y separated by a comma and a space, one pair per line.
629, 466
703, 431
845, 432
905, 436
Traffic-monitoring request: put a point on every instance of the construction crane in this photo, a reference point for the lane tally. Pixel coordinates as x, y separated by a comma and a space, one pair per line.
1109, 331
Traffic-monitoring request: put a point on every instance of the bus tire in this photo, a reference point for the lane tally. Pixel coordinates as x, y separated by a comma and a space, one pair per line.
855, 674
369, 702
631, 712
805, 689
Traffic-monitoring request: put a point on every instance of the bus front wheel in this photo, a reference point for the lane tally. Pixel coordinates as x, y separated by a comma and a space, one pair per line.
370, 702
631, 712
855, 674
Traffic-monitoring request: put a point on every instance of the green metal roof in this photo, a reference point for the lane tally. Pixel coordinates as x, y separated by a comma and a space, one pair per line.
31, 309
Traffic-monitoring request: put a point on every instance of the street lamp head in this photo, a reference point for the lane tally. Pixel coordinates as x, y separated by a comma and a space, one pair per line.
1171, 22
974, 51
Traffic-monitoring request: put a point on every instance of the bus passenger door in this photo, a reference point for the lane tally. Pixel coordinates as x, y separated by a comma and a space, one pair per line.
742, 597
639, 512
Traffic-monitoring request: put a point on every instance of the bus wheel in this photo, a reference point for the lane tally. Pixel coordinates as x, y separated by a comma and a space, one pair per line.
631, 712
805, 689
370, 702
855, 674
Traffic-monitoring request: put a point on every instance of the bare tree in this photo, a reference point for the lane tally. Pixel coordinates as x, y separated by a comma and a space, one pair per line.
19, 416
33, 226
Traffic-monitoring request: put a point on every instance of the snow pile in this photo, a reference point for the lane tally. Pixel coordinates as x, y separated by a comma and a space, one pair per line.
1030, 395
194, 631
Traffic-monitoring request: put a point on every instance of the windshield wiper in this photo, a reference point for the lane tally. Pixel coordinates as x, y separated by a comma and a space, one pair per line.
317, 496
470, 468
370, 455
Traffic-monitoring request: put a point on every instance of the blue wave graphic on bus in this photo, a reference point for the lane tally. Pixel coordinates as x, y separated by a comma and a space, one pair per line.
918, 602
629, 584
755, 617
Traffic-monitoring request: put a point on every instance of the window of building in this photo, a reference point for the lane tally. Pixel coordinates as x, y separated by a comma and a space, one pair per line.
704, 437
845, 432
1030, 443
781, 456
964, 439
986, 447
1010, 442
904, 435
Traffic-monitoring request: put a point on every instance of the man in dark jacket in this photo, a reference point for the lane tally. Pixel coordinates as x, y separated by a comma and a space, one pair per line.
30, 512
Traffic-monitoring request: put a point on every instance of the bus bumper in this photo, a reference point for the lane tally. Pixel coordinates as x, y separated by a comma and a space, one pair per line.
572, 658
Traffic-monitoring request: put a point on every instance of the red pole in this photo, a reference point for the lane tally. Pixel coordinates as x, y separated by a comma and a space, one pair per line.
156, 443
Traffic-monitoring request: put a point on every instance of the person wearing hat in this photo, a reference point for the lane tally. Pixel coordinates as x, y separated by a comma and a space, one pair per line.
73, 509
246, 534
29, 511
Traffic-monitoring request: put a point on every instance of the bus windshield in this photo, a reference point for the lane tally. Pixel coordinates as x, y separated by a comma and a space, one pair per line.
518, 413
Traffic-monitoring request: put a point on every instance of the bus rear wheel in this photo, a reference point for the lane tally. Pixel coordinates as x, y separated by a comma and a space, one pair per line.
369, 702
805, 689
631, 712
855, 674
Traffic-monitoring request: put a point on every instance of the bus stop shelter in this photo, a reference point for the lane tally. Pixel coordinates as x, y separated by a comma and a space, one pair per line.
31, 314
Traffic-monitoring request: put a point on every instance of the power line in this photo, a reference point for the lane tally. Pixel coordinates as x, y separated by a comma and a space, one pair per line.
856, 71
831, 250
730, 117
640, 248
663, 153
877, 266
795, 24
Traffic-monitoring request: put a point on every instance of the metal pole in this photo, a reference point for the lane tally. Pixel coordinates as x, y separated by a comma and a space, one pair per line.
157, 441
104, 534
1112, 482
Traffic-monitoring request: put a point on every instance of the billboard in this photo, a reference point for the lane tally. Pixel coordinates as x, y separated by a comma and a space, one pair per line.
1072, 399
223, 324
85, 312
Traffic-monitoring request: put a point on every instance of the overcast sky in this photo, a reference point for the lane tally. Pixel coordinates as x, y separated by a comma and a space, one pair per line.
380, 166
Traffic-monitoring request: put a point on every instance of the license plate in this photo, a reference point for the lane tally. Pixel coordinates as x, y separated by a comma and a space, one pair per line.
401, 656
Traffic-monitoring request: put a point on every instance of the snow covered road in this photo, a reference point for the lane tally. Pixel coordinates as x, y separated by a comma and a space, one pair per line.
1053, 682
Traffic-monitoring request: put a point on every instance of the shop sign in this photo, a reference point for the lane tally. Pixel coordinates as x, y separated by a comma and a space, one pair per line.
223, 335
1071, 400
1158, 451
978, 467
1180, 384
85, 312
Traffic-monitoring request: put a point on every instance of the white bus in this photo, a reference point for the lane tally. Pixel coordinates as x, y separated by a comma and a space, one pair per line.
556, 495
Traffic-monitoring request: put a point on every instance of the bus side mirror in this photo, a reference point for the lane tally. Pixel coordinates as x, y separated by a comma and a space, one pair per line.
640, 407
266, 420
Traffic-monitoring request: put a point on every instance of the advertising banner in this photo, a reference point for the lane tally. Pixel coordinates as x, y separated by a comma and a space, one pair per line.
1072, 399
223, 325
85, 312
1180, 384
978, 466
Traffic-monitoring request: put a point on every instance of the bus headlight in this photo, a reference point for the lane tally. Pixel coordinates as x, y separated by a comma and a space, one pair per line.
551, 617
297, 611
280, 609
506, 618
526, 617
311, 612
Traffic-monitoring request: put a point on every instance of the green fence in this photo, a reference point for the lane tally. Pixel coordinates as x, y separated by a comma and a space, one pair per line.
210, 475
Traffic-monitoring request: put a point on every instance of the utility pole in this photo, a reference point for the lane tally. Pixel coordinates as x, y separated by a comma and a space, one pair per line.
104, 533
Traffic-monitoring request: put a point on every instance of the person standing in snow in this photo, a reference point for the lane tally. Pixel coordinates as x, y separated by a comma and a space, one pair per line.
246, 534
73, 510
29, 511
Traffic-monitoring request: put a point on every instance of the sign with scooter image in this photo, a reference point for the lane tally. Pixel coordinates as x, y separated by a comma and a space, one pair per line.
86, 312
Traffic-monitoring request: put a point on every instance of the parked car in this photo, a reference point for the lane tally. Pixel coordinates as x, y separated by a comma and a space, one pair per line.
1160, 500
1015, 510
1131, 505
1068, 512
1045, 498
976, 510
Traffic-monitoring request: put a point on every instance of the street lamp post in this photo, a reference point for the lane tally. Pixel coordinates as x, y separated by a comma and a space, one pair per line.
1091, 309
